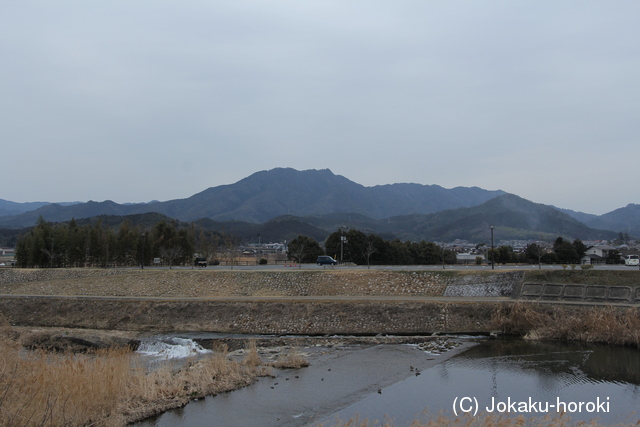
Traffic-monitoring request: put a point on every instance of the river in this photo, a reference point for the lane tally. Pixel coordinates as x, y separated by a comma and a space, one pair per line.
400, 382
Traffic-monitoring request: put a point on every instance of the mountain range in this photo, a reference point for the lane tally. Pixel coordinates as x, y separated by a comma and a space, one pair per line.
268, 194
282, 202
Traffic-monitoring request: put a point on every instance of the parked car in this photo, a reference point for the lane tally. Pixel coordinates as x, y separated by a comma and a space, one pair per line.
632, 260
323, 259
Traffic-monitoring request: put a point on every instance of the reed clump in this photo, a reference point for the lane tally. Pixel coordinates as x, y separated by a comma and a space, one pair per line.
608, 325
44, 389
104, 387
291, 359
251, 358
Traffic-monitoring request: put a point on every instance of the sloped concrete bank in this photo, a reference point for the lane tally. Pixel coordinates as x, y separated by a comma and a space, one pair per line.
259, 317
599, 287
260, 283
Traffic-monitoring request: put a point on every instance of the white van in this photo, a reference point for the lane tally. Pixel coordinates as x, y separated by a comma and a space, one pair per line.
632, 260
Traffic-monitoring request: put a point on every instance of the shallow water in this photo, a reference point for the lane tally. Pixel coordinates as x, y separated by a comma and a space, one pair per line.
518, 371
377, 383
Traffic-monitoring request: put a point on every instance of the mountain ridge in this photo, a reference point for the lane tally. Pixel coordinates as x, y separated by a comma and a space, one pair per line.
323, 200
512, 217
281, 191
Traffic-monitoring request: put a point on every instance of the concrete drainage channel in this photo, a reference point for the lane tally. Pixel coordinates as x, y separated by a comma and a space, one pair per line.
578, 292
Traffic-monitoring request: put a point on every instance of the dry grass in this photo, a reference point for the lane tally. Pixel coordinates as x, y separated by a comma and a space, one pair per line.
609, 325
251, 358
292, 359
104, 388
40, 389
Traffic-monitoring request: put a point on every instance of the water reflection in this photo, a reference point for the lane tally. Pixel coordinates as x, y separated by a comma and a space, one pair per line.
574, 362
518, 370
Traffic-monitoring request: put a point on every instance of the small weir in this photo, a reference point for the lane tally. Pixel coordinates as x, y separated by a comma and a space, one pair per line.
170, 347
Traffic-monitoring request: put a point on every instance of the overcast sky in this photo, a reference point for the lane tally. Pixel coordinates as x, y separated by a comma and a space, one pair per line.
139, 100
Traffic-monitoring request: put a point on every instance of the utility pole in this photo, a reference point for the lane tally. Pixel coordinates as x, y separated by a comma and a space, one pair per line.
258, 250
492, 252
343, 240
51, 257
142, 263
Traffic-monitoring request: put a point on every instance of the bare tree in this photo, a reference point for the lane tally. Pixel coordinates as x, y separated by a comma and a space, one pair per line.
203, 246
171, 253
368, 251
50, 254
537, 251
297, 251
231, 251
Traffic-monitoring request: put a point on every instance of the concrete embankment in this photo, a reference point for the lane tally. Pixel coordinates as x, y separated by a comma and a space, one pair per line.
271, 302
250, 316
266, 302
268, 283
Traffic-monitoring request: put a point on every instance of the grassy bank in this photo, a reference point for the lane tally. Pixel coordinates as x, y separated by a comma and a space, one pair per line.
225, 283
607, 325
106, 387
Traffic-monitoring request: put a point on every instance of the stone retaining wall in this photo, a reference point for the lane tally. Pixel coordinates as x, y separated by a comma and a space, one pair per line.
215, 283
23, 275
262, 317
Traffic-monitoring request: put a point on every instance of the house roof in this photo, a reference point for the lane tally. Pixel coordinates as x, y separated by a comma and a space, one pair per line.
602, 247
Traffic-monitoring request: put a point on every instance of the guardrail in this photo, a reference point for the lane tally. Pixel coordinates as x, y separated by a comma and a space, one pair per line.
577, 292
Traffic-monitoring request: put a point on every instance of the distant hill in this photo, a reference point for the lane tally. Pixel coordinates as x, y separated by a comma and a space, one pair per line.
580, 216
58, 213
284, 191
512, 217
281, 203
279, 229
145, 220
269, 194
8, 208
625, 220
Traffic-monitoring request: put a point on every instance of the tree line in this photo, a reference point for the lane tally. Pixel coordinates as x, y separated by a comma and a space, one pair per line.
98, 245
369, 249
362, 249
561, 252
